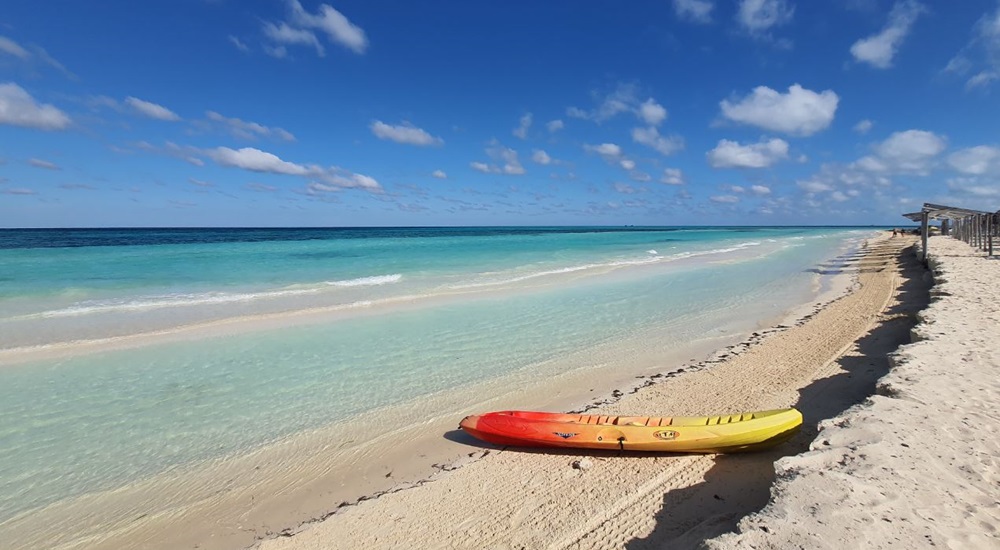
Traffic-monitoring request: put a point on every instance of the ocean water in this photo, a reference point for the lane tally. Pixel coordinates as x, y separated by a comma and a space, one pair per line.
212, 343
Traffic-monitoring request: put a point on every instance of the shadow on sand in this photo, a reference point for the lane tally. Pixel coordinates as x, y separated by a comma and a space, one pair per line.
738, 485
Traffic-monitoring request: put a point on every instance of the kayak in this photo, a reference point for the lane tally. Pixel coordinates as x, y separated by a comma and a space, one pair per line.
700, 434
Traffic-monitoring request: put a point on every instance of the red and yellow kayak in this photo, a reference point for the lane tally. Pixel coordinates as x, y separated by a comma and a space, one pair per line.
701, 434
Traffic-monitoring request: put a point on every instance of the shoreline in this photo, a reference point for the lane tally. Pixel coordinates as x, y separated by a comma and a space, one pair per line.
915, 464
265, 520
317, 533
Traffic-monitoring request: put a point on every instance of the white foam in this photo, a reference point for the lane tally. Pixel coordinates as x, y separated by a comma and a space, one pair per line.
203, 299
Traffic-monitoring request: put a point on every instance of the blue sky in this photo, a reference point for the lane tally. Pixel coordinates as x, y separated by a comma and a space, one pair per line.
351, 112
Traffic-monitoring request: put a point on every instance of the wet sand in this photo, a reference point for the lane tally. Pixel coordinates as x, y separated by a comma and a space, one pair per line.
823, 363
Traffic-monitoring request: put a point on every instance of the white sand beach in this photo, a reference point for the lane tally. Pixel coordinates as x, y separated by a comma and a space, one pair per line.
914, 465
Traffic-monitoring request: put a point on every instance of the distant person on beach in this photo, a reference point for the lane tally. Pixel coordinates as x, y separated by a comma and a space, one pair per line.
893, 231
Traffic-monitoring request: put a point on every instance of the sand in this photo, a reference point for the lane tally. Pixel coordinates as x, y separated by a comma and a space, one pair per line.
918, 464
824, 364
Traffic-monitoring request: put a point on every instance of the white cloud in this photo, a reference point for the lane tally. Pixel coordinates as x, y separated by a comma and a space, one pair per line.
651, 137
10, 47
505, 161
760, 190
44, 164
725, 199
813, 186
255, 160
201, 183
878, 50
652, 113
404, 133
624, 99
627, 164
973, 188
239, 44
981, 54
338, 28
439, 174
624, 188
800, 112
737, 189
730, 154
911, 151
698, 11
541, 157
18, 108
286, 34
31, 55
151, 110
864, 126
976, 161
522, 129
609, 151
554, 125
248, 130
759, 16
672, 176
839, 196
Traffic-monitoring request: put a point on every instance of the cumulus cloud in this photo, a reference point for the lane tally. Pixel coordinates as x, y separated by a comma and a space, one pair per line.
554, 125
255, 160
151, 110
731, 154
760, 190
697, 11
864, 126
610, 152
541, 157
286, 34
303, 26
522, 128
911, 151
337, 27
651, 137
43, 164
321, 178
651, 112
18, 108
800, 112
624, 99
725, 199
627, 164
879, 49
759, 16
439, 174
504, 161
404, 133
244, 129
672, 176
625, 188
977, 161
813, 186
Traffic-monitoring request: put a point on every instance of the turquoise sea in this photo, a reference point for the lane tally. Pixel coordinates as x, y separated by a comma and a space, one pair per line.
212, 343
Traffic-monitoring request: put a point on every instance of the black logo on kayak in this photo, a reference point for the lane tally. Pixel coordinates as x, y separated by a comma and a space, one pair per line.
564, 435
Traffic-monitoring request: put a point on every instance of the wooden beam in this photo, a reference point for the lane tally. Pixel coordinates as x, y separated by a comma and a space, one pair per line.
923, 233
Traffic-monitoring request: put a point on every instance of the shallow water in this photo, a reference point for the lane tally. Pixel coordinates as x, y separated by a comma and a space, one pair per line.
403, 314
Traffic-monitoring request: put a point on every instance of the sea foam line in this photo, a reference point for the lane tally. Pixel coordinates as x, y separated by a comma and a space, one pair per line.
652, 259
208, 298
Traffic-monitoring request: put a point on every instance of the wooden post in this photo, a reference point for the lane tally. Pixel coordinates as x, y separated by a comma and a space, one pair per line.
945, 230
923, 234
990, 227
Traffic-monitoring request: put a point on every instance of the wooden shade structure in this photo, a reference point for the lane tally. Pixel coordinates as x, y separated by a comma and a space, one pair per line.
976, 227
